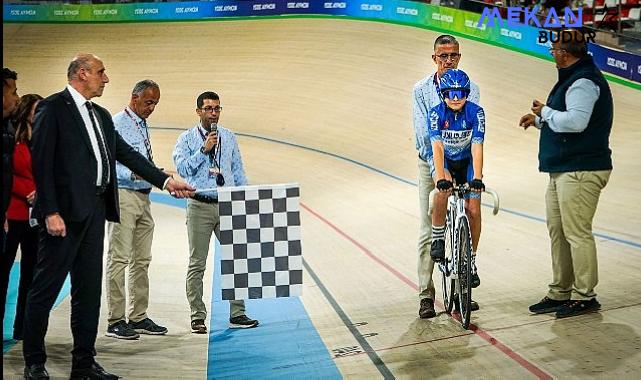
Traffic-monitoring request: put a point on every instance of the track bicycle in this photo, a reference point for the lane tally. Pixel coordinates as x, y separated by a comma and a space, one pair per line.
456, 271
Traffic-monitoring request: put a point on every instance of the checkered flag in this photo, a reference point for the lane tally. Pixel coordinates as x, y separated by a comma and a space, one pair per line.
261, 241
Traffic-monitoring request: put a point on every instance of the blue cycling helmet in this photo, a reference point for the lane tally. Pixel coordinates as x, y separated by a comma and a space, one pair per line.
455, 84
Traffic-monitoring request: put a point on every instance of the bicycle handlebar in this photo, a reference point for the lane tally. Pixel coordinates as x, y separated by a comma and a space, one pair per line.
492, 192
495, 200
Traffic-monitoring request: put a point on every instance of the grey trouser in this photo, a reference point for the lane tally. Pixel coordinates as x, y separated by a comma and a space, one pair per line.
425, 263
202, 220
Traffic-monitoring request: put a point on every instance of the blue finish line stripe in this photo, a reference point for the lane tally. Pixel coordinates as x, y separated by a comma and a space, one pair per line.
11, 304
285, 345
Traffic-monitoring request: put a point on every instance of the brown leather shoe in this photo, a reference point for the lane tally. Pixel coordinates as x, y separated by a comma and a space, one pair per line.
198, 326
427, 309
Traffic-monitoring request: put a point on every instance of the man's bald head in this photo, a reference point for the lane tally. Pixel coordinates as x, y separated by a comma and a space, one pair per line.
570, 47
80, 61
573, 42
86, 73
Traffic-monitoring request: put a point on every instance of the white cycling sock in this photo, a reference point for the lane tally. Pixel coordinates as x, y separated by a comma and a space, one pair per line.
438, 232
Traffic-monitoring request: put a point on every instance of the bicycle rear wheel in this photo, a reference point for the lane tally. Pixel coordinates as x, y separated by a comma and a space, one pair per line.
464, 288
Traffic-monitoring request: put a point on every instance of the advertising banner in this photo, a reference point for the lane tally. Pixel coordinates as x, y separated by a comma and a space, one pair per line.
520, 37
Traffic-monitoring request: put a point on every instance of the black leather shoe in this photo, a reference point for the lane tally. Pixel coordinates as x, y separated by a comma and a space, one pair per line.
547, 305
93, 372
578, 307
36, 371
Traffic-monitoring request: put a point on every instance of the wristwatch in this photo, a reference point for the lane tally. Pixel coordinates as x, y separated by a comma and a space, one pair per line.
202, 150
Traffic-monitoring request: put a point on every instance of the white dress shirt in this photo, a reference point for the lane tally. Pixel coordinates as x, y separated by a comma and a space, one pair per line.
80, 101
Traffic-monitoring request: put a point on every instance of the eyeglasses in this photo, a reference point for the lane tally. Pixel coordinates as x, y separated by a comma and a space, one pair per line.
455, 94
552, 50
210, 109
452, 56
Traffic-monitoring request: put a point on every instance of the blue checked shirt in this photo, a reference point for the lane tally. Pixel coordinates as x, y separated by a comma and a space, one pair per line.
134, 131
426, 96
194, 166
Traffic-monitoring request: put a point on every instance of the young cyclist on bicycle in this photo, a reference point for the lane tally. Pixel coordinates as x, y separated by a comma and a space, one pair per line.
456, 128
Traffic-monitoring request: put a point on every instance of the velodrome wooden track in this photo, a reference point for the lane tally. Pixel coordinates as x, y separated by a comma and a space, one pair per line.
343, 89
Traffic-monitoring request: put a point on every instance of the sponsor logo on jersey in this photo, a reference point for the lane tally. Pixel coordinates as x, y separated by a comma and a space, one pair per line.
434, 121
480, 117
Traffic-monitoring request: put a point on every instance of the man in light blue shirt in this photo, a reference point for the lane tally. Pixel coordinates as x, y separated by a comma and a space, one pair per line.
579, 99
426, 96
130, 240
207, 156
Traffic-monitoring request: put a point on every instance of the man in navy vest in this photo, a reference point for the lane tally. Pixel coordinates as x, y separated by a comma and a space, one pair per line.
575, 126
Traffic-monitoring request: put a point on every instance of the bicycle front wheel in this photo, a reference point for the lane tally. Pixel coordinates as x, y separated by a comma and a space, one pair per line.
448, 283
464, 288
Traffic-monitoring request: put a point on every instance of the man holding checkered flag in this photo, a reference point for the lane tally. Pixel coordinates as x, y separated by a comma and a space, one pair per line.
207, 157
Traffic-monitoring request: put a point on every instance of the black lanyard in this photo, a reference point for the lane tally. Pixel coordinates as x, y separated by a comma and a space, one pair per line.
145, 136
212, 153
438, 87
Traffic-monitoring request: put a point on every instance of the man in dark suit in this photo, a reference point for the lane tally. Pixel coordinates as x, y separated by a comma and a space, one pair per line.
10, 101
74, 149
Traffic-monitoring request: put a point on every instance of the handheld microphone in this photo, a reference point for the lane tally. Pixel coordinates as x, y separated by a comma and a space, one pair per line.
214, 129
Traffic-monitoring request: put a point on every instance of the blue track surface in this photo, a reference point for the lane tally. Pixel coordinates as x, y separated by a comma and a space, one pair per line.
286, 345
10, 307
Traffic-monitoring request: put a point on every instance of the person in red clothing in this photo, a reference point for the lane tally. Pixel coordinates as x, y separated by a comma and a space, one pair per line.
23, 193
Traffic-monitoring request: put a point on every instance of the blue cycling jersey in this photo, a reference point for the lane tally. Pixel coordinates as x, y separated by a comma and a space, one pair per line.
457, 130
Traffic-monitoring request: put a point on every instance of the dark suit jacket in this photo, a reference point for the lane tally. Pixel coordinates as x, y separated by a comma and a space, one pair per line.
64, 165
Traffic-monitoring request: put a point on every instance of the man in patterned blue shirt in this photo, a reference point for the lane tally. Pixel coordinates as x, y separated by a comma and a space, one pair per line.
426, 95
130, 240
207, 156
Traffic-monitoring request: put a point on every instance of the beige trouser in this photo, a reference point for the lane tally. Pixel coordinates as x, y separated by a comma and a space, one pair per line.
571, 201
129, 247
425, 263
202, 220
